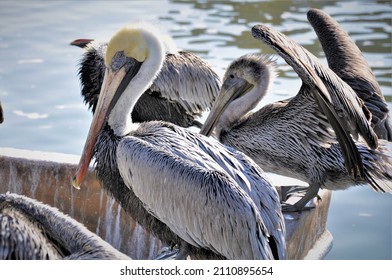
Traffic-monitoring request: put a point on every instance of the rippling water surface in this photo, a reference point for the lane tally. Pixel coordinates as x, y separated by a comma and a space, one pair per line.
40, 92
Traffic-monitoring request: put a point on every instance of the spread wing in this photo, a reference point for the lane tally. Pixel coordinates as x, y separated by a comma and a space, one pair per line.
346, 113
347, 61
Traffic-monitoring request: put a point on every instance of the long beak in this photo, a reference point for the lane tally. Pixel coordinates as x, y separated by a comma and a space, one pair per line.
81, 43
109, 90
231, 89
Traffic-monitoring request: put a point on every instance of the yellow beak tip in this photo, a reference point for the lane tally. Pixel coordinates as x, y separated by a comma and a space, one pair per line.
75, 183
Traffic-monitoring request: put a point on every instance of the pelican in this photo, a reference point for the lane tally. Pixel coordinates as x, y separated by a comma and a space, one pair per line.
185, 188
31, 230
294, 137
185, 87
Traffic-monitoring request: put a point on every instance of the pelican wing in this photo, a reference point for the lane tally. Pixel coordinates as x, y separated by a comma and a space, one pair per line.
345, 111
187, 79
192, 193
91, 72
347, 61
31, 230
250, 177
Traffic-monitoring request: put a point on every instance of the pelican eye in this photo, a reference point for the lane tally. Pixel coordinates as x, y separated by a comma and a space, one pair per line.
121, 60
118, 60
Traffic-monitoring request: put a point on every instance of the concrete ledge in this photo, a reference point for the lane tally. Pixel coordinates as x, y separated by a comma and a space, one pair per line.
304, 230
321, 248
47, 178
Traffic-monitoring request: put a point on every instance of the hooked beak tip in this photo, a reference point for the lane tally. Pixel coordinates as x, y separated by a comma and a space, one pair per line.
75, 183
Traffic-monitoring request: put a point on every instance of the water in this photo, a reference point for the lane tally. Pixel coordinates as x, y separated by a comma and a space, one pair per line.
40, 91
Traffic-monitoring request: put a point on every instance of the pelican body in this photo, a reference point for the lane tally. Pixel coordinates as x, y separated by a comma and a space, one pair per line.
185, 188
31, 230
185, 87
309, 136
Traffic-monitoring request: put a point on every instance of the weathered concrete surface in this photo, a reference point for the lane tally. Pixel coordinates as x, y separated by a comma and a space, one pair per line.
47, 178
306, 233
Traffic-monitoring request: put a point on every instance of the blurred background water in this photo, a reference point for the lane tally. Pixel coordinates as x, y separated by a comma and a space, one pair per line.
40, 90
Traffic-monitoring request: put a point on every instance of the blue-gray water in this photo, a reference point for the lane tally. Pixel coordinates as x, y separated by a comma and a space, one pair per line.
40, 92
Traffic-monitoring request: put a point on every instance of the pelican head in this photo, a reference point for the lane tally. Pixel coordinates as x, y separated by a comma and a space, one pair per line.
245, 83
130, 41
134, 56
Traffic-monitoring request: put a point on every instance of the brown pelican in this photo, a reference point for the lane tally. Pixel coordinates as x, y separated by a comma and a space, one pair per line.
31, 230
185, 188
294, 137
184, 88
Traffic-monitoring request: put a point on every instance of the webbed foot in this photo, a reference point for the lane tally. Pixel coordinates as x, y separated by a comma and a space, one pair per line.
168, 253
290, 208
305, 201
287, 191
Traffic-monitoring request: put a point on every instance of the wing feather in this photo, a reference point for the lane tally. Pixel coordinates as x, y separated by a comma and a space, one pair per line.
188, 80
194, 195
347, 61
345, 111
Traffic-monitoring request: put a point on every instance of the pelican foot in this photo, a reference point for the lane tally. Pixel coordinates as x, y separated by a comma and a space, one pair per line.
290, 208
287, 191
304, 203
168, 253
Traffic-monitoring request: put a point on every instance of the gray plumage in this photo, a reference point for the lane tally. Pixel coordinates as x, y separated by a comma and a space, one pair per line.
347, 61
294, 137
185, 188
31, 230
211, 196
187, 79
